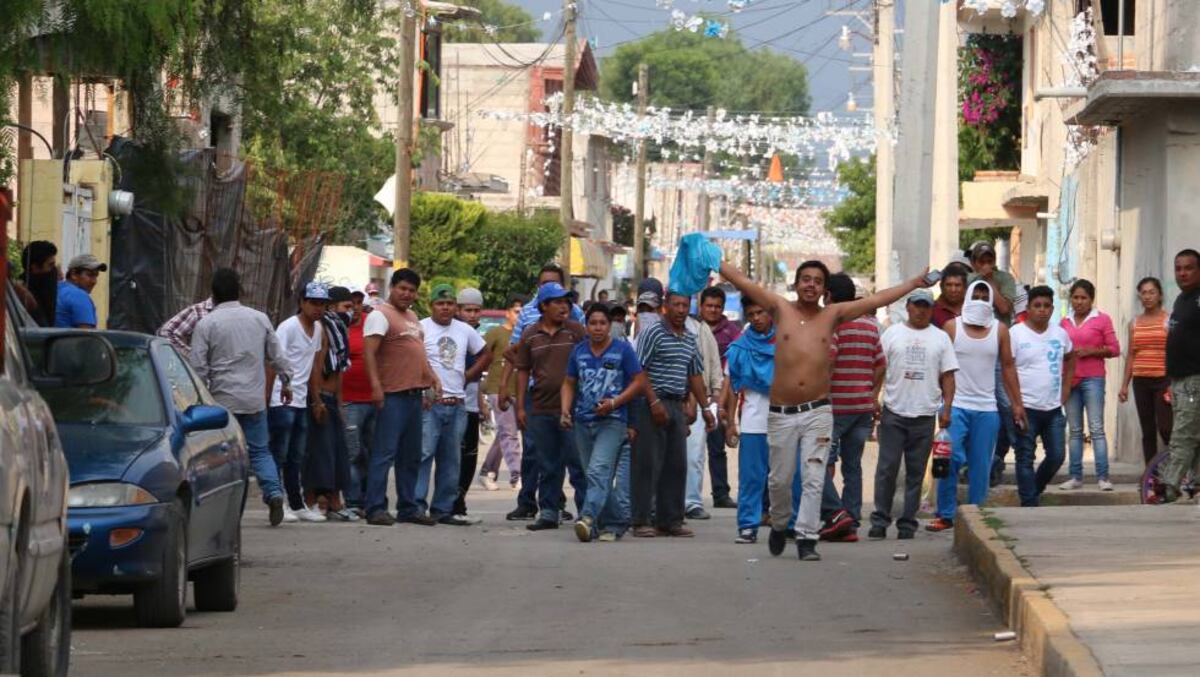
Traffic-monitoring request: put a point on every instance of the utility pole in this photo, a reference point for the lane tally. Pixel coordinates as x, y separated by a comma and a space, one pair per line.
705, 199
401, 218
567, 161
885, 117
639, 210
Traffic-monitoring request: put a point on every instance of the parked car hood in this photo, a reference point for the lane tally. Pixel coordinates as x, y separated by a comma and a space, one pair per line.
104, 452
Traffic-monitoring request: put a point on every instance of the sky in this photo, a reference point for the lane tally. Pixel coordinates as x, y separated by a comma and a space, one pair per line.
803, 29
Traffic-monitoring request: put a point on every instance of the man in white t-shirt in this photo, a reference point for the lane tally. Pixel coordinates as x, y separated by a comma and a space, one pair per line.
1045, 364
918, 385
300, 338
448, 341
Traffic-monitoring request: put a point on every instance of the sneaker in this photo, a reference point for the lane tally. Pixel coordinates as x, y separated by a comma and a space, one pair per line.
746, 536
789, 534
877, 533
307, 514
905, 535
725, 502
583, 529
697, 513
1071, 485
607, 537
541, 525
521, 513
806, 550
488, 480
420, 519
381, 519
457, 520
275, 510
342, 515
565, 516
515, 485
1105, 485
289, 516
644, 532
1170, 494
849, 537
839, 524
776, 542
939, 524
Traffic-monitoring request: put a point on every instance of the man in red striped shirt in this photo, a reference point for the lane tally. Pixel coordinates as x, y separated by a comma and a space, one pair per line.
858, 371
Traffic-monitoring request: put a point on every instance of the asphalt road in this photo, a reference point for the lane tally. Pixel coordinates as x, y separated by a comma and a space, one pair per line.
495, 598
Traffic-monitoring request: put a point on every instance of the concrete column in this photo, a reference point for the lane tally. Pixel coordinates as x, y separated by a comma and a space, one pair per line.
943, 223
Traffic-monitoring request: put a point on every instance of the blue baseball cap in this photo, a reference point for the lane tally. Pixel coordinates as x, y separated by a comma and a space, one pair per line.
315, 291
551, 291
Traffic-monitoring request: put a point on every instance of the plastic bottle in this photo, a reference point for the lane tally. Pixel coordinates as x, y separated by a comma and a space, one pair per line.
941, 454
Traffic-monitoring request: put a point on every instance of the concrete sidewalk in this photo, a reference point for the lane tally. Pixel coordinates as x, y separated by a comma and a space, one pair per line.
1118, 582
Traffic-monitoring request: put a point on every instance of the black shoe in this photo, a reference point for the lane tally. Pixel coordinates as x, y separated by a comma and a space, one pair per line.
806, 549
381, 519
456, 520
996, 477
541, 525
275, 508
420, 519
906, 535
790, 534
724, 502
747, 536
697, 513
877, 533
776, 542
521, 513
565, 516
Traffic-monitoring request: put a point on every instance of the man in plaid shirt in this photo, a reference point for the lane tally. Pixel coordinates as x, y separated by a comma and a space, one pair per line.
178, 330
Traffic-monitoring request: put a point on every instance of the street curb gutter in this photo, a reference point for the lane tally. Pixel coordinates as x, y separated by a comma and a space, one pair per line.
1042, 628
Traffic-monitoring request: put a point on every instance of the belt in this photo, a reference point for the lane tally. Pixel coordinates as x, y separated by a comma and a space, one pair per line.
798, 408
672, 398
411, 392
449, 401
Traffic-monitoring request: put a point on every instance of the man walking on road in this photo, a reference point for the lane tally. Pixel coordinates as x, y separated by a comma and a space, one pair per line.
725, 332
507, 443
358, 411
920, 381
230, 350
697, 440
750, 372
394, 353
1183, 368
470, 305
1045, 365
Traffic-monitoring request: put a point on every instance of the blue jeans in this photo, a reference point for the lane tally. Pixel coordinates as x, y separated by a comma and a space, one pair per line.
289, 430
850, 435
397, 446
1089, 395
442, 429
359, 418
1008, 434
254, 427
1051, 427
600, 444
555, 450
973, 439
753, 453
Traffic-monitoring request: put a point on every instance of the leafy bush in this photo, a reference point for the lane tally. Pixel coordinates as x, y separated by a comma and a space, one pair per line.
511, 249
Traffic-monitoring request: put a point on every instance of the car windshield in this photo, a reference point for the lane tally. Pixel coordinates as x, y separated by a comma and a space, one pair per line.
131, 398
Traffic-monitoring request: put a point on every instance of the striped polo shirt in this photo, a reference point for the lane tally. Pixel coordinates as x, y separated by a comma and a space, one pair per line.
859, 352
669, 359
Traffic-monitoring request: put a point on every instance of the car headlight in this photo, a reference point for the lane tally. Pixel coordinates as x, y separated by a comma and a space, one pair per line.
107, 495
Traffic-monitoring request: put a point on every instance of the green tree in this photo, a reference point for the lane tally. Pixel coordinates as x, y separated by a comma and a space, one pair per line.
510, 249
444, 230
511, 23
689, 71
852, 222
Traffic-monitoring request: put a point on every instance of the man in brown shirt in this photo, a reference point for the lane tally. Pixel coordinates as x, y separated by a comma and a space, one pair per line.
394, 353
542, 354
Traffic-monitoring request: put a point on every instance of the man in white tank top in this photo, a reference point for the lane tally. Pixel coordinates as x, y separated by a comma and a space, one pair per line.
979, 339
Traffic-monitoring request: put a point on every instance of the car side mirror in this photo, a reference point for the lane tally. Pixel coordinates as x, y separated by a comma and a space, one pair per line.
78, 359
204, 417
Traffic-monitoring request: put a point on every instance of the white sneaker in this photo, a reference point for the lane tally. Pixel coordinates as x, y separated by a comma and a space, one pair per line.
310, 515
516, 486
1105, 485
1071, 485
489, 481
289, 516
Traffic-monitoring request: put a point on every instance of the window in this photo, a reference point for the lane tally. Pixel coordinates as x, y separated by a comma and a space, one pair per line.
1109, 9
183, 390
131, 398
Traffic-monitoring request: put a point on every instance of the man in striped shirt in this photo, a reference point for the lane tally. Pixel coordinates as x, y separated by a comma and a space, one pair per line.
858, 371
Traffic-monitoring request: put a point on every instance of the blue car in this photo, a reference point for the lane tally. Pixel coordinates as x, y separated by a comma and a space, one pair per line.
158, 481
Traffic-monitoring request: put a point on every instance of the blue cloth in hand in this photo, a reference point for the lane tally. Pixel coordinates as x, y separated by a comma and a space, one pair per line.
696, 258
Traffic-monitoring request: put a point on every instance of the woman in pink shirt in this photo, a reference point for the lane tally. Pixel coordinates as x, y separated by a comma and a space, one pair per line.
1095, 340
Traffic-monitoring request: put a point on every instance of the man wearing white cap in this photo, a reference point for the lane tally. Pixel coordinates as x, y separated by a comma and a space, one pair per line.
74, 308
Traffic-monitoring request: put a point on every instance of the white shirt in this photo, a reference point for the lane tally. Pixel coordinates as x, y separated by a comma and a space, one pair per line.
447, 346
1039, 360
916, 360
753, 412
299, 349
975, 382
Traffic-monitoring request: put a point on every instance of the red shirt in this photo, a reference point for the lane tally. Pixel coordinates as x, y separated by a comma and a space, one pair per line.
942, 314
356, 386
859, 352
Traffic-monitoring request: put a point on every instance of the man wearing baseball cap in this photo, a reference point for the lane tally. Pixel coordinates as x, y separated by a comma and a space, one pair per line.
74, 308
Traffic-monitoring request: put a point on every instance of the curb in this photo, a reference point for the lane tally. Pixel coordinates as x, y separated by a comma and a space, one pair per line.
1042, 628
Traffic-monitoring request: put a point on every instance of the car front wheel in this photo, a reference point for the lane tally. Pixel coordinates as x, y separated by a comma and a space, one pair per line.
163, 603
216, 587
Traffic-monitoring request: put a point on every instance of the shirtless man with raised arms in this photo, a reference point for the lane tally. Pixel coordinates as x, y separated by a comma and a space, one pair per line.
800, 421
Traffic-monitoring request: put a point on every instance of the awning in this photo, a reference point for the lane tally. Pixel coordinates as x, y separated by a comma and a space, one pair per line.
589, 259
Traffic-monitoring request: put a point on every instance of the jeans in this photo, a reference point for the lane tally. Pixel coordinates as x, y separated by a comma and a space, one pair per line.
397, 447
1051, 427
697, 453
799, 443
254, 427
659, 465
1008, 433
359, 418
1154, 412
973, 440
506, 443
468, 460
1088, 394
442, 427
599, 444
1185, 434
289, 428
907, 439
850, 435
556, 450
753, 456
718, 464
